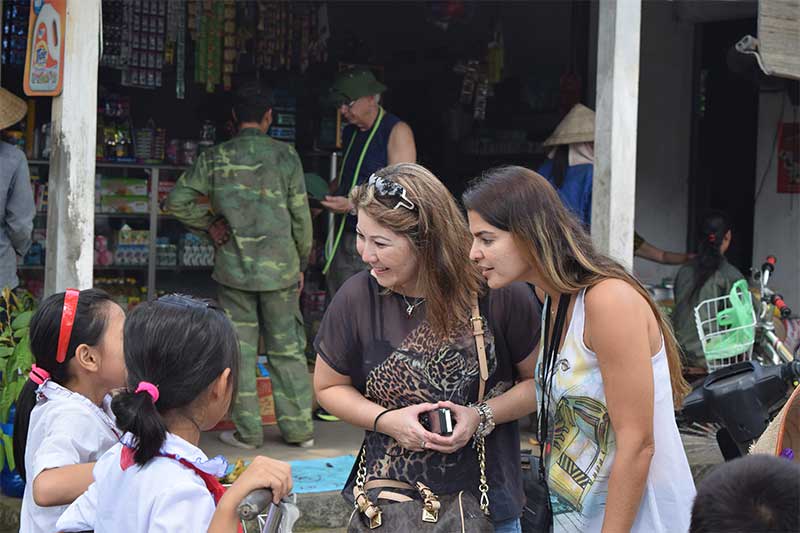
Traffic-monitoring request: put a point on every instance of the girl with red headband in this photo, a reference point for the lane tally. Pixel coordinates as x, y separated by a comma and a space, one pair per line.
182, 356
64, 422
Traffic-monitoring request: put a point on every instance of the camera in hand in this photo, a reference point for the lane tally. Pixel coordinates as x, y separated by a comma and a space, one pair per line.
439, 421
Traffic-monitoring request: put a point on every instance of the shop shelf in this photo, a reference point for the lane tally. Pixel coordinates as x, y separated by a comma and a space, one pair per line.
114, 164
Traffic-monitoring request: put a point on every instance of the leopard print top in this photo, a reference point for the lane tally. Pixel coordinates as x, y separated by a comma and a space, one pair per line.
396, 361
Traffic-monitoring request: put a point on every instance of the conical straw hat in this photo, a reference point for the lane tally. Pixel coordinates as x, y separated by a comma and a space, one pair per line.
783, 432
12, 109
577, 127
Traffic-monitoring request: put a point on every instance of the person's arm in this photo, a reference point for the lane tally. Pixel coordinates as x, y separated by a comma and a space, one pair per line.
61, 486
81, 514
20, 210
263, 472
617, 322
652, 253
516, 402
297, 201
335, 393
401, 148
182, 201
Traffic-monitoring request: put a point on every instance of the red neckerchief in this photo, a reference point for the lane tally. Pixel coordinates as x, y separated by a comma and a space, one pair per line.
212, 483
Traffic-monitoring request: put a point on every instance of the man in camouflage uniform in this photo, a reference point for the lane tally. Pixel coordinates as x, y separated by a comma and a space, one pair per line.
261, 226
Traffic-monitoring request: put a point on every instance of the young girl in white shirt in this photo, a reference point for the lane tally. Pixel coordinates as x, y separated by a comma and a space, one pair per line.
182, 356
63, 421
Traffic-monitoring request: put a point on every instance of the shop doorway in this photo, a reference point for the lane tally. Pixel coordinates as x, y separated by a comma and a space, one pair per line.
724, 135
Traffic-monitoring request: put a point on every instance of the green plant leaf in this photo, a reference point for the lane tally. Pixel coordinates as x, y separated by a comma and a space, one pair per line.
6, 399
22, 320
23, 347
6, 351
21, 333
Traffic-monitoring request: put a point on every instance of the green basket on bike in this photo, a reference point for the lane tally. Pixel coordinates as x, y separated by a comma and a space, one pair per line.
726, 327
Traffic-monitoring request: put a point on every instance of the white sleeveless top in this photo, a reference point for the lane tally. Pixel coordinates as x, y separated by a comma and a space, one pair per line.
580, 458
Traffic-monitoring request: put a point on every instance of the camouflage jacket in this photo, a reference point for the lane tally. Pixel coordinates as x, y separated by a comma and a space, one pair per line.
257, 184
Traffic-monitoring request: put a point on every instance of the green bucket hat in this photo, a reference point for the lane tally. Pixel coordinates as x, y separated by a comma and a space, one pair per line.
353, 84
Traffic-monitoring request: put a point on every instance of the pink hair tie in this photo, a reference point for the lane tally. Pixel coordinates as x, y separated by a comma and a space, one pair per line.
39, 375
149, 388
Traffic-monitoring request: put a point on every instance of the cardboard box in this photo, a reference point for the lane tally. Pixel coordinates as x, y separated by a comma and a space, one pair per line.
123, 187
265, 401
123, 204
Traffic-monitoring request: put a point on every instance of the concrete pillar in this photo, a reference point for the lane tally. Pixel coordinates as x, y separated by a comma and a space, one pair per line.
614, 189
70, 212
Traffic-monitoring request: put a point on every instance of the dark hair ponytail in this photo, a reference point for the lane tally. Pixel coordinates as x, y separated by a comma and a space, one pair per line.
560, 165
88, 328
709, 257
181, 345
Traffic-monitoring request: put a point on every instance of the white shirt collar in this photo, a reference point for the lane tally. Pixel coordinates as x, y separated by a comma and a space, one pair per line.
52, 391
181, 449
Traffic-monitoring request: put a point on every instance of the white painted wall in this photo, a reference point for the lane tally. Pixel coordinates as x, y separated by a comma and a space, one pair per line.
777, 217
665, 106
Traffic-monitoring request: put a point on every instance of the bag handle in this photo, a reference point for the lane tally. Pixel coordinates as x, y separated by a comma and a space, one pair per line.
478, 328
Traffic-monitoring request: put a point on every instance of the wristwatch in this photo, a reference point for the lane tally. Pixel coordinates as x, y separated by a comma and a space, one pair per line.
486, 424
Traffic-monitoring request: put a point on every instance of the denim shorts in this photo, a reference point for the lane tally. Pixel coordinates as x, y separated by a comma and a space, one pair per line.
508, 526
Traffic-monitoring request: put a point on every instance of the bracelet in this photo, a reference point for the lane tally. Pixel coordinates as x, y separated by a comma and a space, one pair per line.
375, 423
487, 423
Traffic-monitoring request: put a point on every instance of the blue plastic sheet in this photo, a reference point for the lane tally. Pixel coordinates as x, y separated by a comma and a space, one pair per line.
321, 475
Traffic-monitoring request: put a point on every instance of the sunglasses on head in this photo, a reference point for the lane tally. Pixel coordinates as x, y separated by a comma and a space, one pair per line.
388, 188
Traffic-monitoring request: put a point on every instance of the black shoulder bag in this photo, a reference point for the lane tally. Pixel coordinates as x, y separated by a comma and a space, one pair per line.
537, 515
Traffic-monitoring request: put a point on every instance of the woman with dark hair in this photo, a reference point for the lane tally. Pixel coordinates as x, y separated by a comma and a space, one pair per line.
708, 275
613, 458
398, 342
182, 356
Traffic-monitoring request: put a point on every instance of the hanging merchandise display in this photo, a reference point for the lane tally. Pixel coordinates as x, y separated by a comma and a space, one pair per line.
495, 56
175, 46
144, 27
116, 46
206, 24
229, 43
291, 36
15, 31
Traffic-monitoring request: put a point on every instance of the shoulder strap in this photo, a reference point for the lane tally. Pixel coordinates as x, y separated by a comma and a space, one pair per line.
477, 322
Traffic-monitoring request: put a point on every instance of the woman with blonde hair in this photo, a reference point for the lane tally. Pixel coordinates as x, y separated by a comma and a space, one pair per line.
397, 343
614, 460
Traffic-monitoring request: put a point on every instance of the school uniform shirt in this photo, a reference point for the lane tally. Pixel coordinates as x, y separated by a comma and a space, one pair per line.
66, 428
163, 496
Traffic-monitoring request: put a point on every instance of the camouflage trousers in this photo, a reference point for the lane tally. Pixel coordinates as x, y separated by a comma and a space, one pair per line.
276, 315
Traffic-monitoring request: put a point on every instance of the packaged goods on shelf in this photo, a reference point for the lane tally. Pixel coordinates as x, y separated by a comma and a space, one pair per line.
39, 188
35, 255
126, 235
195, 251
164, 188
131, 254
102, 255
110, 186
123, 204
125, 291
166, 255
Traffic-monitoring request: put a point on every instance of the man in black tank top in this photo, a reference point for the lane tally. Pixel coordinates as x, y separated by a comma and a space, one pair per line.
373, 139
